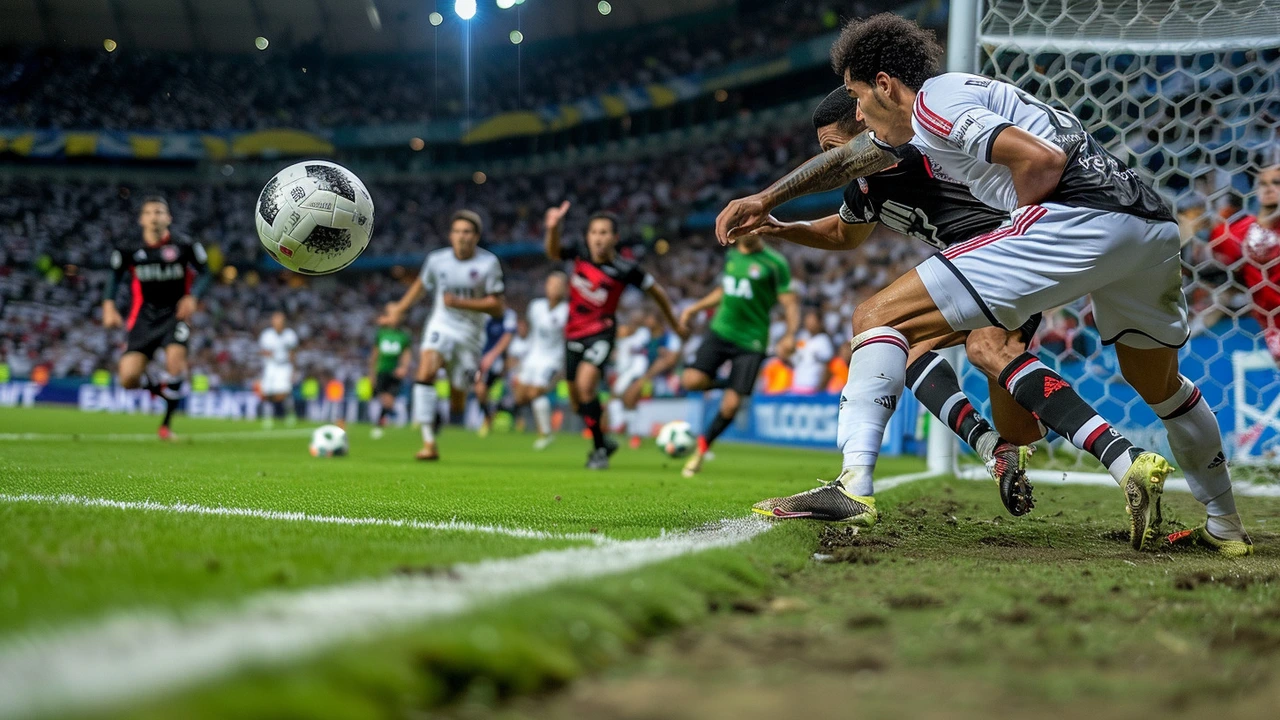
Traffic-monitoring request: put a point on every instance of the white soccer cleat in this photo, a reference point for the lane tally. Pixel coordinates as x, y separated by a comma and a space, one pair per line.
543, 442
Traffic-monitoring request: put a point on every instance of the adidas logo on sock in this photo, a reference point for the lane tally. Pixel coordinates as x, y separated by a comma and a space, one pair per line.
1053, 385
1217, 460
889, 401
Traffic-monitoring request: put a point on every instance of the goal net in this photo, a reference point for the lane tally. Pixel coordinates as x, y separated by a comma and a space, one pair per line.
1188, 92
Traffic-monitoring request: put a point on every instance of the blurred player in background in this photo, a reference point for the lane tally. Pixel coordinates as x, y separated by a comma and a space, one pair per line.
167, 276
544, 361
467, 287
388, 367
754, 279
599, 278
814, 351
277, 345
498, 333
1251, 247
644, 351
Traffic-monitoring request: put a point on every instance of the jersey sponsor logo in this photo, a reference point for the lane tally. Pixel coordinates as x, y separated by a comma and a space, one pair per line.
390, 347
156, 272
588, 290
978, 82
912, 222
968, 123
739, 288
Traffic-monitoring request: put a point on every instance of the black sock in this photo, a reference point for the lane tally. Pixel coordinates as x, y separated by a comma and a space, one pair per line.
934, 383
1056, 404
591, 412
717, 425
170, 404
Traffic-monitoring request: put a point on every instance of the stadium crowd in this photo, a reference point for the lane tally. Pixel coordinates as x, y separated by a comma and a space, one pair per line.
140, 90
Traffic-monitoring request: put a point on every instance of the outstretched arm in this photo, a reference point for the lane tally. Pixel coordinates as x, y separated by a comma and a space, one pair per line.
835, 168
489, 304
554, 220
828, 233
397, 310
786, 346
711, 300
664, 304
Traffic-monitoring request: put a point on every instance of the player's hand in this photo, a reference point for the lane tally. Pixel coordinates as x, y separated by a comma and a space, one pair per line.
770, 225
739, 217
486, 362
111, 317
686, 317
186, 307
401, 373
450, 300
391, 317
786, 347
555, 215
682, 328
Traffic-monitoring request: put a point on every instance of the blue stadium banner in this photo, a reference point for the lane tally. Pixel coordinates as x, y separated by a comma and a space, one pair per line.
810, 421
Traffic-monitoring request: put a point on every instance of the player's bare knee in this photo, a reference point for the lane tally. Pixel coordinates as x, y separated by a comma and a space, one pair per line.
692, 379
991, 352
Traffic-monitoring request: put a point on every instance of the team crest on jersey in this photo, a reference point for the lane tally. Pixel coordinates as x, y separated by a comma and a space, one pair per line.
169, 253
863, 186
753, 271
474, 273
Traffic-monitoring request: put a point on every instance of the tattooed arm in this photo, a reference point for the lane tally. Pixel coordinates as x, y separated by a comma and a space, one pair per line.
835, 168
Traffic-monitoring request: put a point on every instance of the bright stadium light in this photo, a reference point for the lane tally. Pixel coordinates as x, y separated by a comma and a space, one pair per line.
517, 37
604, 7
435, 18
466, 9
109, 45
261, 43
506, 4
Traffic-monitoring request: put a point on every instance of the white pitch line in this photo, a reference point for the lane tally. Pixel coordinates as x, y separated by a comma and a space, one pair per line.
151, 437
191, 509
130, 656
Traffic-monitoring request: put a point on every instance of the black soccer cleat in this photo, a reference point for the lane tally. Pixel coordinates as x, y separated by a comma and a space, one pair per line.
1008, 466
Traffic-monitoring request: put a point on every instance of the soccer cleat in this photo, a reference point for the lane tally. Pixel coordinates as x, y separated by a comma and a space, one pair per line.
485, 428
428, 452
164, 433
543, 442
830, 503
1200, 535
1143, 485
693, 465
598, 459
1008, 466
375, 433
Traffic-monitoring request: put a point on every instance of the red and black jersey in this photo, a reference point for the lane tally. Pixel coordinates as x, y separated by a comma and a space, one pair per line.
595, 288
1253, 251
159, 275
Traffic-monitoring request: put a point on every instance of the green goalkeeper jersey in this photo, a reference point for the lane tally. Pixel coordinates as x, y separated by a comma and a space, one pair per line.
391, 342
752, 283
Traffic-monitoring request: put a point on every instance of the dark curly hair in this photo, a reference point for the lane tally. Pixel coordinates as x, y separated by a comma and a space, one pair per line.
837, 107
889, 44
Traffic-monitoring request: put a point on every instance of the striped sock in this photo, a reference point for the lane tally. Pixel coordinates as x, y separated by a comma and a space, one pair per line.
934, 383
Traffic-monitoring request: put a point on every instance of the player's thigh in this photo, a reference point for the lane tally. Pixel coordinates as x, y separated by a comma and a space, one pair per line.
1146, 309
743, 371
1153, 372
920, 349
429, 363
1014, 422
906, 306
711, 354
132, 365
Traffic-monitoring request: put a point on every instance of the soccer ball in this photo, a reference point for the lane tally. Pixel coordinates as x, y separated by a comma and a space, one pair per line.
314, 217
676, 439
329, 441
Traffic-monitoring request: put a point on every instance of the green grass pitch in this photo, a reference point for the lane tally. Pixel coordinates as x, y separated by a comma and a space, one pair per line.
950, 608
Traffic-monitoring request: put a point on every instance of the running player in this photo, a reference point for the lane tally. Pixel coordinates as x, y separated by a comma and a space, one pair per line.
388, 367
545, 360
168, 275
600, 276
644, 351
498, 333
1082, 223
277, 345
466, 282
755, 278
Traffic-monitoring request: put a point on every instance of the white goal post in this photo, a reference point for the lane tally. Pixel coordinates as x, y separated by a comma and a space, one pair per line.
1187, 92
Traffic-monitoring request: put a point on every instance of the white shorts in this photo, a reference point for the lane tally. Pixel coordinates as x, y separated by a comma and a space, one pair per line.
276, 380
539, 370
461, 355
628, 375
1051, 255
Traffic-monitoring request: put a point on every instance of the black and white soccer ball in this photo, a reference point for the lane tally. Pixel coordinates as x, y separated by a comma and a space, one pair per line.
328, 441
314, 217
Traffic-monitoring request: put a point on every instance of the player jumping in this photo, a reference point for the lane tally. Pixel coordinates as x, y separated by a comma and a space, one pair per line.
1081, 222
388, 367
599, 277
277, 345
467, 284
168, 275
755, 278
539, 368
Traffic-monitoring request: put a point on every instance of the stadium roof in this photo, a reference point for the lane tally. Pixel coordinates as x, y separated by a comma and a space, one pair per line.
345, 26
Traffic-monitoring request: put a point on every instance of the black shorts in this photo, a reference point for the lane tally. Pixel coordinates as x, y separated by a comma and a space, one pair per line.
592, 349
1028, 329
386, 382
745, 364
155, 328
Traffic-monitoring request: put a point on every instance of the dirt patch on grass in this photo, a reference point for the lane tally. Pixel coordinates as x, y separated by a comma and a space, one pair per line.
1233, 580
1053, 600
913, 601
1246, 637
849, 537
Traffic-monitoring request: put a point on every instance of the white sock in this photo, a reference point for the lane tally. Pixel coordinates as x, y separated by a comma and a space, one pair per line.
617, 415
1196, 442
877, 376
541, 407
424, 409
631, 418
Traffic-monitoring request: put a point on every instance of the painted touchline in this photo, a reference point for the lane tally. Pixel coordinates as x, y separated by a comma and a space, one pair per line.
133, 655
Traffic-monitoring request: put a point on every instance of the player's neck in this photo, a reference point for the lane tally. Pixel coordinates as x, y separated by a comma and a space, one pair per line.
153, 238
1269, 217
460, 256
604, 257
